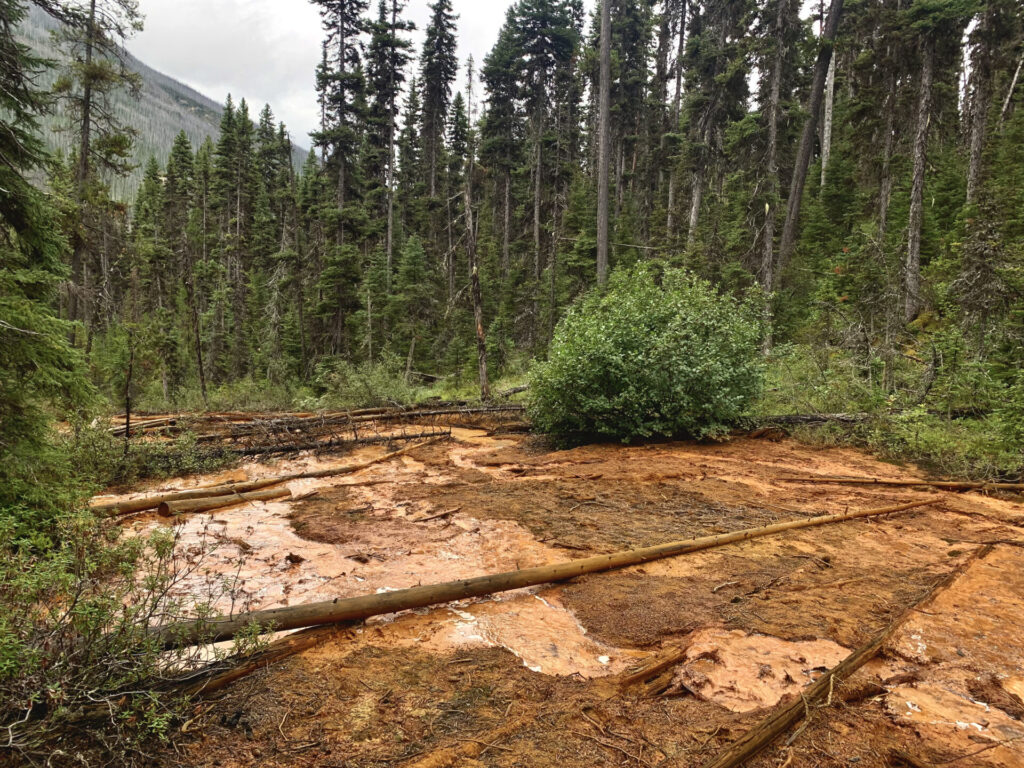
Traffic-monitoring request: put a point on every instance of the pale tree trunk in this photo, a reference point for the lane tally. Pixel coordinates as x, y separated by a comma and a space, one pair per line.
826, 120
768, 251
390, 184
1009, 91
474, 272
803, 156
696, 197
912, 266
981, 97
676, 106
604, 142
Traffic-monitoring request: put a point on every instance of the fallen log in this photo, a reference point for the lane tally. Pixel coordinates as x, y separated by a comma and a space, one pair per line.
285, 447
174, 508
153, 502
333, 611
769, 729
948, 485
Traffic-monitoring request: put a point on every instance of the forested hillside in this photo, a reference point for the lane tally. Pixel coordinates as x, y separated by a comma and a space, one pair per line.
874, 193
162, 109
854, 167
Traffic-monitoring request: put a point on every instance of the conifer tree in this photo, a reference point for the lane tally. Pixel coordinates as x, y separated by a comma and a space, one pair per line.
438, 68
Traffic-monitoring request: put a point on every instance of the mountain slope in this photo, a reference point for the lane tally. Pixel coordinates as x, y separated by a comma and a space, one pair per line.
164, 108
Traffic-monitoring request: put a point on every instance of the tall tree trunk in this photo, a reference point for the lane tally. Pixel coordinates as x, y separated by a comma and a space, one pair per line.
390, 183
506, 230
696, 198
85, 138
768, 251
803, 155
78, 254
677, 101
474, 273
604, 141
826, 118
912, 266
982, 93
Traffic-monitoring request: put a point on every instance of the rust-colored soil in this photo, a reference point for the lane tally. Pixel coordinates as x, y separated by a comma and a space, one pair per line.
529, 678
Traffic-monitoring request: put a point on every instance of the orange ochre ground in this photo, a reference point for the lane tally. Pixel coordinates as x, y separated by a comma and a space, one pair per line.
529, 678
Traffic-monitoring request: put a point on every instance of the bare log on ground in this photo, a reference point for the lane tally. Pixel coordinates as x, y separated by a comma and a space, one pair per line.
286, 447
333, 611
174, 508
154, 502
769, 729
943, 484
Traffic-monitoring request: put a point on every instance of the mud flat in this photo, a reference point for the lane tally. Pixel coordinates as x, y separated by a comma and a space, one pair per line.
758, 621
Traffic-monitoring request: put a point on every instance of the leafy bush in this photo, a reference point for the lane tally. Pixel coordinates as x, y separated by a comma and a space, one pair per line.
646, 358
81, 674
344, 384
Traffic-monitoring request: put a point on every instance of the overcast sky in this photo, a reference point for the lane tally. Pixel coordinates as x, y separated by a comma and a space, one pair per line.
267, 50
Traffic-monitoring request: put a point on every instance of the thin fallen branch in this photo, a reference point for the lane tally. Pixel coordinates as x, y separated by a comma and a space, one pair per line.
218, 677
332, 611
769, 729
954, 485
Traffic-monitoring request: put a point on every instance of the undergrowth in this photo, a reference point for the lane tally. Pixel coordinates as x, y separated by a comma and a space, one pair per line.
957, 421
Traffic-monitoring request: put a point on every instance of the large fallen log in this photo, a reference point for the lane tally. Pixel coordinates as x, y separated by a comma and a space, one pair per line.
130, 506
354, 608
769, 729
948, 485
323, 445
174, 508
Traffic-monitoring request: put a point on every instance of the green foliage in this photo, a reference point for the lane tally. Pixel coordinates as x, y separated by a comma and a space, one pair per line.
343, 384
79, 666
647, 358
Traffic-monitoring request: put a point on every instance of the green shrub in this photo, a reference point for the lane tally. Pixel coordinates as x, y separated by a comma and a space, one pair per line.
646, 358
83, 680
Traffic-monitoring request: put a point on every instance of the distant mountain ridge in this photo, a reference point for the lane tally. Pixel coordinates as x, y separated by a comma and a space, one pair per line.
165, 107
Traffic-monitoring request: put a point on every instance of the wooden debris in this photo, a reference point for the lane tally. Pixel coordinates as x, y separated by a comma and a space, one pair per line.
654, 666
332, 611
446, 513
217, 677
783, 718
175, 508
944, 485
172, 498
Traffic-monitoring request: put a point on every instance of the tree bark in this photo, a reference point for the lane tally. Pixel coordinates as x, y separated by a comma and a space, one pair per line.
912, 265
670, 225
604, 141
803, 156
982, 93
826, 128
768, 252
474, 273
